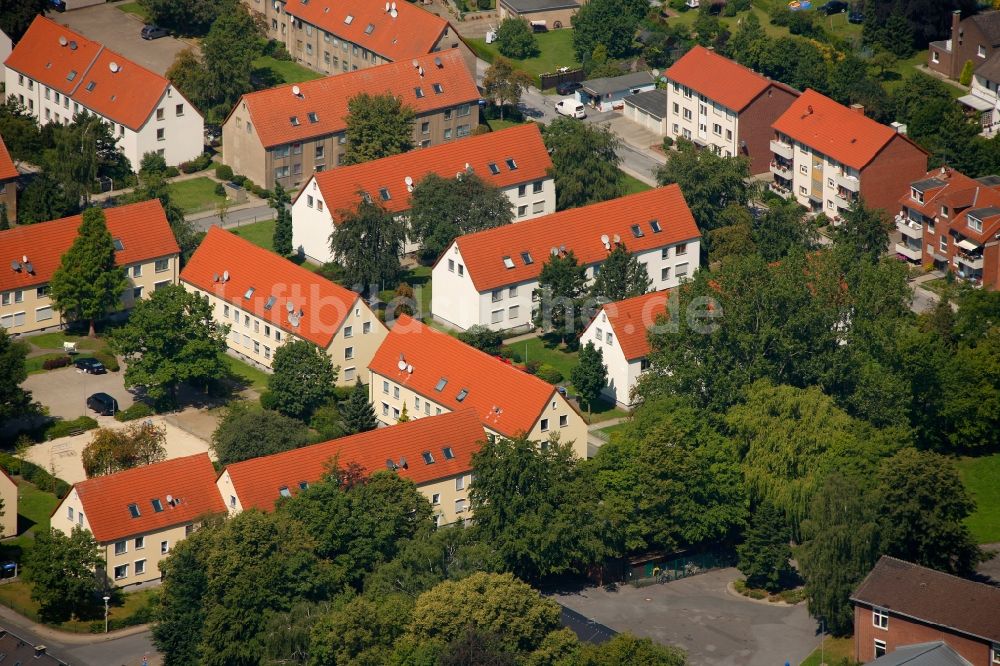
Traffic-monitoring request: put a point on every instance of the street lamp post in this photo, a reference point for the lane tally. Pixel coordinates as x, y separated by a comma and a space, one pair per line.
106, 599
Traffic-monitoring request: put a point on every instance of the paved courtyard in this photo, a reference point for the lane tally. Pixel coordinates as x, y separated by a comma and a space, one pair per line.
716, 627
65, 391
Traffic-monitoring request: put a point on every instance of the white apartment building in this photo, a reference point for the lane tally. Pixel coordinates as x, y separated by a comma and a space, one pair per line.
514, 160
267, 301
490, 277
56, 73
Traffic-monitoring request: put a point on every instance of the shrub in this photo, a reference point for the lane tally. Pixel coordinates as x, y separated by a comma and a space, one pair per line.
109, 360
34, 474
172, 171
63, 428
668, 142
965, 78
138, 410
220, 190
332, 271
531, 367
237, 179
53, 363
224, 172
187, 167
548, 373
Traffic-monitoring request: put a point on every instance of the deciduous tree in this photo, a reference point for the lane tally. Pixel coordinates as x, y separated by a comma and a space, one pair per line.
61, 571
114, 450
246, 433
368, 242
608, 22
88, 284
590, 375
363, 631
14, 400
515, 39
483, 338
302, 380
43, 200
377, 126
584, 163
186, 17
504, 84
622, 276
627, 648
561, 287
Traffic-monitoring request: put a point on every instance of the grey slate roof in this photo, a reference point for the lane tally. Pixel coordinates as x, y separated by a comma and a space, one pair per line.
989, 24
530, 6
653, 102
989, 181
937, 653
611, 84
983, 213
927, 184
990, 70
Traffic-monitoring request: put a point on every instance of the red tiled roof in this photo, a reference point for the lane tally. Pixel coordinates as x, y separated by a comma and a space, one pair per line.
720, 79
932, 597
7, 169
142, 228
962, 195
491, 384
580, 230
324, 304
844, 134
412, 33
271, 110
190, 481
522, 143
632, 318
127, 96
258, 481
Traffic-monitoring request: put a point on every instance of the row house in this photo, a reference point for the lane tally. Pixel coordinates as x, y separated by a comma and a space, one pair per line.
974, 39
435, 453
285, 134
514, 160
144, 248
491, 277
721, 105
267, 301
982, 104
349, 35
8, 183
620, 330
138, 515
56, 73
950, 221
425, 372
826, 156
901, 604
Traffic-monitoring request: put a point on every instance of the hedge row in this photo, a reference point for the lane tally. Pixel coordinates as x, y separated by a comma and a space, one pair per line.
63, 428
34, 474
138, 410
53, 363
199, 163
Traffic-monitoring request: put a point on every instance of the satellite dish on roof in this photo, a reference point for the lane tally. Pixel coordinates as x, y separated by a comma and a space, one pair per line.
618, 239
605, 239
24, 258
458, 175
402, 462
296, 91
415, 63
409, 368
225, 276
554, 251
63, 41
389, 464
72, 45
289, 306
14, 266
393, 5
408, 180
170, 499
387, 6
393, 13
215, 277
401, 364
293, 320
114, 67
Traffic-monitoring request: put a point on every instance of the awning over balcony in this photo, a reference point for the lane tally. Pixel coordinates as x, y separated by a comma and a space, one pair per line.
967, 245
974, 102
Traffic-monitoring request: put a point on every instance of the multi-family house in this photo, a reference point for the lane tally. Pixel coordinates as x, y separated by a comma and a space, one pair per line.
8, 183
491, 277
8, 494
982, 104
900, 604
972, 40
514, 160
56, 73
144, 248
284, 134
827, 155
951, 221
267, 301
620, 330
138, 515
427, 372
435, 453
723, 106
348, 35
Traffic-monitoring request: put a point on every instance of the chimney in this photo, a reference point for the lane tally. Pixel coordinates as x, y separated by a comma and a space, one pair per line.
955, 64
39, 651
860, 108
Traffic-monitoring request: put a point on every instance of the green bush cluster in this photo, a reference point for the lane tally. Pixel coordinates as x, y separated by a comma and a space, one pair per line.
138, 410
171, 172
34, 474
199, 163
63, 428
142, 615
224, 172
53, 363
549, 374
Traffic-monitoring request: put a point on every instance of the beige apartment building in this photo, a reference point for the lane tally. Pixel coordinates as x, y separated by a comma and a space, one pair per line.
8, 493
348, 35
138, 515
145, 248
267, 300
434, 453
287, 133
428, 373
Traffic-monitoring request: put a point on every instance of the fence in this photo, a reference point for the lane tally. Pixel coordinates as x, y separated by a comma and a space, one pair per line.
552, 79
676, 566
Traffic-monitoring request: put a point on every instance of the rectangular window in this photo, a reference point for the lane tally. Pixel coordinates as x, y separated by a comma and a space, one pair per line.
159, 114
140, 567
425, 128
459, 506
179, 110
513, 312
366, 328
267, 352
681, 249
563, 421
161, 265
349, 374
880, 618
463, 130
522, 211
164, 547
497, 295
447, 134
461, 270
981, 51
665, 273
161, 134
395, 392
385, 387
69, 513
140, 543
879, 648
545, 425
451, 265
349, 353
681, 270
256, 347
460, 483
121, 547
385, 409
496, 316
348, 331
121, 571
43, 314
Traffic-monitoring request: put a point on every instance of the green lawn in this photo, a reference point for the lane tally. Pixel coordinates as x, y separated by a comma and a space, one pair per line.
980, 476
546, 351
17, 595
833, 651
34, 364
497, 124
285, 71
55, 340
633, 185
195, 195
555, 50
136, 9
419, 278
254, 377
258, 233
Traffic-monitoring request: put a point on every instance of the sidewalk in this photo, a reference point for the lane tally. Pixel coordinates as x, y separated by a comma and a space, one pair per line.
9, 617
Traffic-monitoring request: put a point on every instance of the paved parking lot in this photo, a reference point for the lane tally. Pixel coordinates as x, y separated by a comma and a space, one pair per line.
65, 391
716, 627
119, 32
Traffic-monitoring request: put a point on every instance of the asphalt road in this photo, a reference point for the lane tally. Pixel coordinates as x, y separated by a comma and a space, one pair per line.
235, 218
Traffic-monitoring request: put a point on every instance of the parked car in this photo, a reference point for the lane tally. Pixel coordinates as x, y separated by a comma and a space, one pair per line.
570, 107
59, 5
834, 7
856, 17
151, 31
103, 404
91, 366
567, 88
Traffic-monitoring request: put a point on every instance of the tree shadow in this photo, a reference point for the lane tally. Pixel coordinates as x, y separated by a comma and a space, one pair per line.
890, 75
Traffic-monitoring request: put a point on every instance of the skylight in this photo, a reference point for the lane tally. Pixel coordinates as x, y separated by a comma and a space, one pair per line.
655, 226
438, 89
511, 164
367, 197
494, 169
349, 20
71, 75
133, 510
294, 120
526, 258
119, 245
636, 231
384, 193
91, 85
448, 453
270, 302
462, 395
313, 118
428, 457
441, 384
248, 294
157, 505
419, 92
370, 28
303, 485
284, 491
508, 262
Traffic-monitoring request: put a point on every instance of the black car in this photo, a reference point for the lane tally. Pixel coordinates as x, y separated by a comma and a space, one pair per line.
91, 366
834, 7
59, 5
153, 32
856, 17
103, 404
568, 88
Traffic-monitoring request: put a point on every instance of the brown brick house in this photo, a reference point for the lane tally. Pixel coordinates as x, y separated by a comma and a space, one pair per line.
973, 39
8, 183
900, 604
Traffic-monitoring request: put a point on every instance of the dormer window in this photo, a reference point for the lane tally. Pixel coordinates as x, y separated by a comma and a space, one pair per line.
419, 92
384, 194
511, 164
441, 384
294, 120
944, 211
119, 245
370, 28
270, 302
655, 226
462, 395
284, 491
526, 258
91, 86
71, 75
975, 223
637, 231
916, 195
508, 262
367, 197
349, 20
248, 293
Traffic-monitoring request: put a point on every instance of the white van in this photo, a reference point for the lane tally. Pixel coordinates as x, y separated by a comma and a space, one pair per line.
570, 107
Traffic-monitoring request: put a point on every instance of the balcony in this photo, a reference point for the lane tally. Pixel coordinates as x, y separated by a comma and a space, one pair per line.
849, 183
781, 169
908, 227
782, 149
780, 190
972, 262
913, 254
843, 200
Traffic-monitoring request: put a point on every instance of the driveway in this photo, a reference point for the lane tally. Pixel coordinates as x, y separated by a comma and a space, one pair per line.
716, 627
119, 31
65, 391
